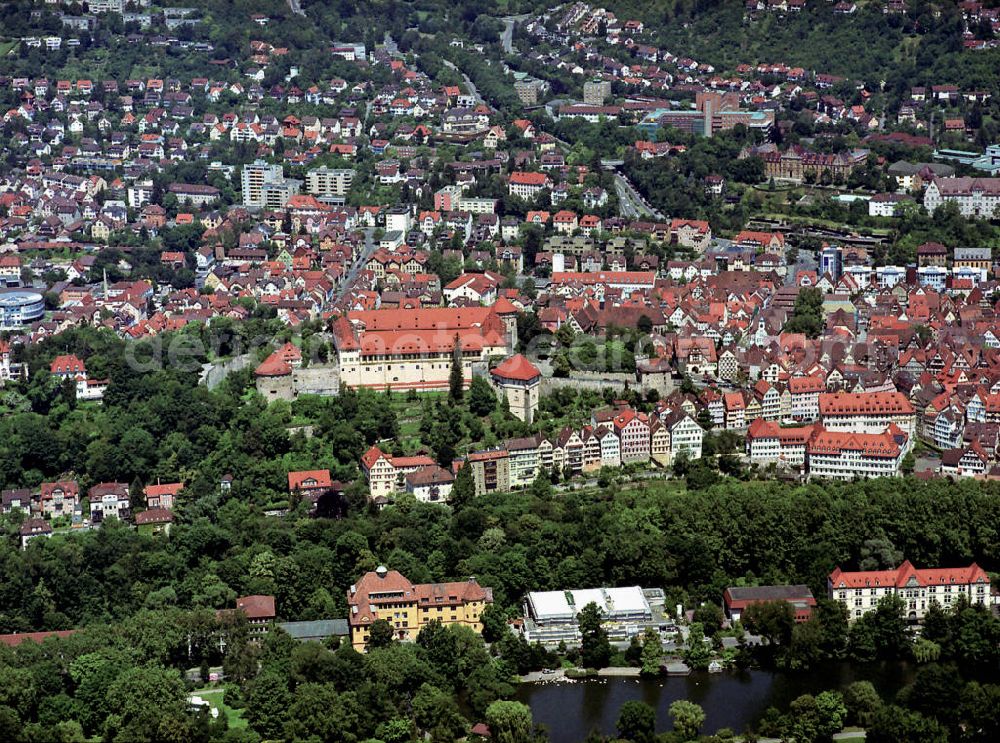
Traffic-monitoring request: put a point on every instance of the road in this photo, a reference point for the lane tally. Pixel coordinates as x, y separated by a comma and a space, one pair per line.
296, 8
352, 274
806, 262
630, 203
507, 35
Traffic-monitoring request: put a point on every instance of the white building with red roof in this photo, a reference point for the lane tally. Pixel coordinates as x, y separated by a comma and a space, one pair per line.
805, 391
520, 382
407, 349
769, 442
386, 474
867, 412
861, 591
162, 495
527, 185
837, 455
70, 366
308, 481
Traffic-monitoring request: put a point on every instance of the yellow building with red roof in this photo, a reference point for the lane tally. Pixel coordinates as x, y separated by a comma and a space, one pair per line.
408, 607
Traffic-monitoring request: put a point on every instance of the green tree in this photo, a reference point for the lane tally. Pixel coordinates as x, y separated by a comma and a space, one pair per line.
772, 620
697, 653
144, 700
595, 648
456, 378
381, 634
881, 633
482, 400
436, 711
831, 713
688, 718
710, 616
463, 490
268, 702
862, 702
897, 725
494, 621
651, 659
926, 651
807, 314
509, 722
637, 722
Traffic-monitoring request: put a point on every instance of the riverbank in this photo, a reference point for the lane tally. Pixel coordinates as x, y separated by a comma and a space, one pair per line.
734, 699
559, 675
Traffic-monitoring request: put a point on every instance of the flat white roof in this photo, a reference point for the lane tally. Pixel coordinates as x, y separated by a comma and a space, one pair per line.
584, 596
627, 599
565, 605
550, 605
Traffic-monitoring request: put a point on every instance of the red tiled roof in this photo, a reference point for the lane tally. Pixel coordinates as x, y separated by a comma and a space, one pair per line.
309, 479
15, 639
806, 384
273, 366
764, 429
419, 460
363, 607
424, 319
902, 575
370, 457
154, 516
528, 179
864, 403
881, 445
517, 368
167, 488
67, 364
257, 607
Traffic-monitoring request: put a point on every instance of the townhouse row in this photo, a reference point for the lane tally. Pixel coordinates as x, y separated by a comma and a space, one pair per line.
614, 438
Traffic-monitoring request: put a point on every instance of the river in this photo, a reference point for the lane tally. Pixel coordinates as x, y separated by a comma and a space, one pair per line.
733, 699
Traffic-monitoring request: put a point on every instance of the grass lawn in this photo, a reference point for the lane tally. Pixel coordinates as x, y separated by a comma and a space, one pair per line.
214, 698
6, 47
408, 414
817, 222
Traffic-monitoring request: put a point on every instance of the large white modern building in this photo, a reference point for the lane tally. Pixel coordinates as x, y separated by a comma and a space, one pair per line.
329, 181
19, 307
551, 616
265, 186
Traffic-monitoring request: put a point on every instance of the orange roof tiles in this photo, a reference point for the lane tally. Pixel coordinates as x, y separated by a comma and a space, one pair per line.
517, 368
864, 403
878, 445
905, 574
309, 479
